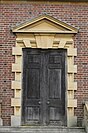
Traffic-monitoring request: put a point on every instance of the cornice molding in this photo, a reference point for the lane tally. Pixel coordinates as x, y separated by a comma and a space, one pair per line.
44, 1
44, 24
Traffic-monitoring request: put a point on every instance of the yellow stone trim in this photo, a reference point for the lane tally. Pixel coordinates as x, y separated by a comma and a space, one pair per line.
21, 27
70, 61
72, 103
70, 94
18, 76
16, 102
45, 39
75, 85
46, 31
72, 51
21, 39
72, 86
27, 42
72, 121
70, 111
16, 51
18, 59
16, 85
16, 67
17, 111
62, 43
72, 69
15, 121
17, 93
86, 105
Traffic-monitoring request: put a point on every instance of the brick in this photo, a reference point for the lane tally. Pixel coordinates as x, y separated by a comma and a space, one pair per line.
12, 14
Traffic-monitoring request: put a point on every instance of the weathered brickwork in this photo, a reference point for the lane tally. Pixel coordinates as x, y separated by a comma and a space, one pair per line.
12, 14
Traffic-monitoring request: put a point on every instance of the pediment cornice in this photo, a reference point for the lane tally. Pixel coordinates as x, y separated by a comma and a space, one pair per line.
44, 24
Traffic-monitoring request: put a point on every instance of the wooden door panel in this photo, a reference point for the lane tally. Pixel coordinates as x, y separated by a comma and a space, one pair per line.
34, 58
55, 59
43, 86
55, 86
54, 83
33, 83
32, 115
55, 113
31, 87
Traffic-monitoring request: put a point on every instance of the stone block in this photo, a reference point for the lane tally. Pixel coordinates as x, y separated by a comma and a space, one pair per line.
17, 93
17, 111
72, 68
18, 77
16, 51
72, 85
15, 102
15, 121
16, 85
72, 103
27, 42
16, 67
72, 121
72, 51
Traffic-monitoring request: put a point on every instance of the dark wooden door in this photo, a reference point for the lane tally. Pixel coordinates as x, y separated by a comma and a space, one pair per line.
43, 87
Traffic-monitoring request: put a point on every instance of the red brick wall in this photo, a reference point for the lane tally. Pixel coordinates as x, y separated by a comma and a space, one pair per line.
11, 14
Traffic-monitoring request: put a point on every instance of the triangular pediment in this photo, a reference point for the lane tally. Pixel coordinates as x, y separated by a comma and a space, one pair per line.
44, 24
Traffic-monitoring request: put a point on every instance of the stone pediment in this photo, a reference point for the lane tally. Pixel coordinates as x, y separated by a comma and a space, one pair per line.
44, 24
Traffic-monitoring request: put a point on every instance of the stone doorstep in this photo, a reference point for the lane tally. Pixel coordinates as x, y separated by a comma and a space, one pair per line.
42, 128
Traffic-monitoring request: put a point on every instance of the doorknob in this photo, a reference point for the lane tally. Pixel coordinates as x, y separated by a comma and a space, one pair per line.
39, 102
48, 102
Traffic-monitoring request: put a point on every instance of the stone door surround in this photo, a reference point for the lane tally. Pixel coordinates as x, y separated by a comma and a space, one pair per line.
44, 32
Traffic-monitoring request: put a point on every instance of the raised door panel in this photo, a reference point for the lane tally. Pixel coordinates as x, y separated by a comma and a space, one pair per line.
33, 83
54, 83
55, 98
31, 87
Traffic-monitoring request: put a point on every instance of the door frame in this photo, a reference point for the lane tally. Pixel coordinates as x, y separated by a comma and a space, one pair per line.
63, 68
26, 38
